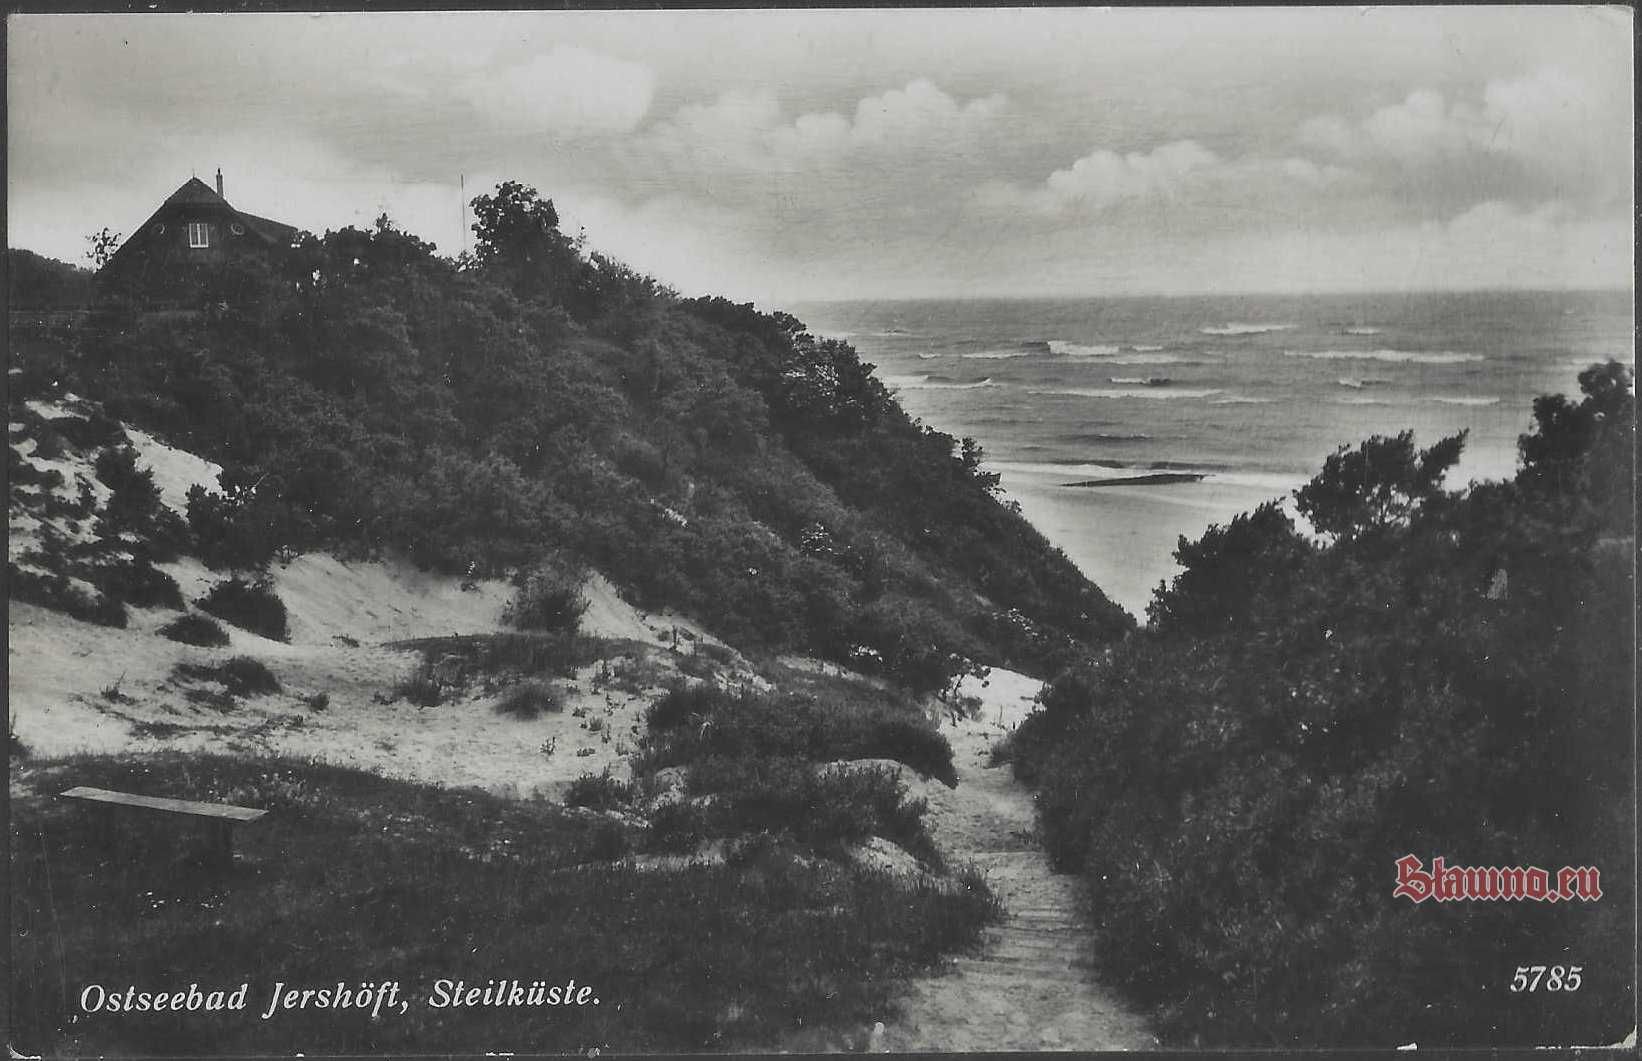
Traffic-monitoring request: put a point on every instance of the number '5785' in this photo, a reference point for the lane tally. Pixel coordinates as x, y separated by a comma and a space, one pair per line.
1553, 977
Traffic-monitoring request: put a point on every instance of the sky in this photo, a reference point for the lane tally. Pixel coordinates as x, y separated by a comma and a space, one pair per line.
783, 156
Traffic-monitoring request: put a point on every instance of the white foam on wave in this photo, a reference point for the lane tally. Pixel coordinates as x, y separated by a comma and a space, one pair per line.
1157, 393
1143, 349
1234, 328
1140, 381
1362, 329
1149, 359
1355, 399
1438, 357
925, 383
928, 357
997, 355
1480, 400
1065, 349
1240, 399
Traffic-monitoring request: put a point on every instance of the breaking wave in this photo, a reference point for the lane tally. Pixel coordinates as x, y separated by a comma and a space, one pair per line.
1443, 357
1243, 329
1101, 392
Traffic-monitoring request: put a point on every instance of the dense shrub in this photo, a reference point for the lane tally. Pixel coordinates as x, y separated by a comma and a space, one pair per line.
245, 676
95, 431
681, 703
1444, 674
529, 700
194, 629
59, 594
598, 792
550, 598
138, 584
250, 606
823, 810
817, 729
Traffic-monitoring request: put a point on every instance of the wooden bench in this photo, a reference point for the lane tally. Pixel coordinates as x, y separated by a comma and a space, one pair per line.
221, 816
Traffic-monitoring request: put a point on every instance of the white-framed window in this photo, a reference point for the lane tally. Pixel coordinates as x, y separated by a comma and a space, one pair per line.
199, 234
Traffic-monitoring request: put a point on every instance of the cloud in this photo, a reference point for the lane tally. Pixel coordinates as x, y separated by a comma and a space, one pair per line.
1550, 133
570, 91
1183, 174
746, 132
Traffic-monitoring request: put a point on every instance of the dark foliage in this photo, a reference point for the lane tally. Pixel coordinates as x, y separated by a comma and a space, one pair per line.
252, 606
1446, 674
194, 629
698, 721
241, 675
529, 700
598, 792
137, 584
550, 598
701, 958
59, 594
535, 400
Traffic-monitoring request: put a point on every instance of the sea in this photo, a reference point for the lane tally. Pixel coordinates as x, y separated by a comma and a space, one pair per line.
1212, 405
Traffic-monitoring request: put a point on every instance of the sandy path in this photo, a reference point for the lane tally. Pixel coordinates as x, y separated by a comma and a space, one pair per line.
1029, 988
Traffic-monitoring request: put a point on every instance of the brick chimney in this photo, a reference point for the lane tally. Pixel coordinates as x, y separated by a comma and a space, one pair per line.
219, 180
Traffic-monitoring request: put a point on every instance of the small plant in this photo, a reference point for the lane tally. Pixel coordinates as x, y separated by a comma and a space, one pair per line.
192, 629
582, 753
250, 606
422, 688
595, 724
529, 700
112, 693
549, 746
318, 701
598, 792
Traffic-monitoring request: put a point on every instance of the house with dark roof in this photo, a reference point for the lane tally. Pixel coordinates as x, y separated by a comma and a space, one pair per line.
195, 234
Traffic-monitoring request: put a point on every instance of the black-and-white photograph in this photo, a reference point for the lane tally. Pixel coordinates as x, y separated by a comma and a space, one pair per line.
820, 530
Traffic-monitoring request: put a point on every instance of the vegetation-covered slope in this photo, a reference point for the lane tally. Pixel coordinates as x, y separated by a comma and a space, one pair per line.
1443, 674
534, 399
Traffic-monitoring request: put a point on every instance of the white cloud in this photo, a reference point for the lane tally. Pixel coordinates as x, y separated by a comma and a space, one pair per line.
569, 91
1556, 132
746, 131
1184, 174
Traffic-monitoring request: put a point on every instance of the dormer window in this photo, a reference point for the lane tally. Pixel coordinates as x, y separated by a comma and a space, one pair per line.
199, 234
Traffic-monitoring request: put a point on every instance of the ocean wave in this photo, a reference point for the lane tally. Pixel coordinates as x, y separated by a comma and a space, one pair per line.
1442, 357
1235, 328
1099, 392
1480, 400
1361, 329
998, 355
1149, 359
1143, 349
1141, 381
1105, 436
928, 357
1355, 399
1359, 384
1065, 349
930, 383
1239, 399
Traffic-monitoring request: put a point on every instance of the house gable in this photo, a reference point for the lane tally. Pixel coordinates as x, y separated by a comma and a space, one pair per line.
194, 231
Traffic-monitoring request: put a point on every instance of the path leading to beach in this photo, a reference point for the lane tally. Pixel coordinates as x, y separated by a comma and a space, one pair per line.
1030, 987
